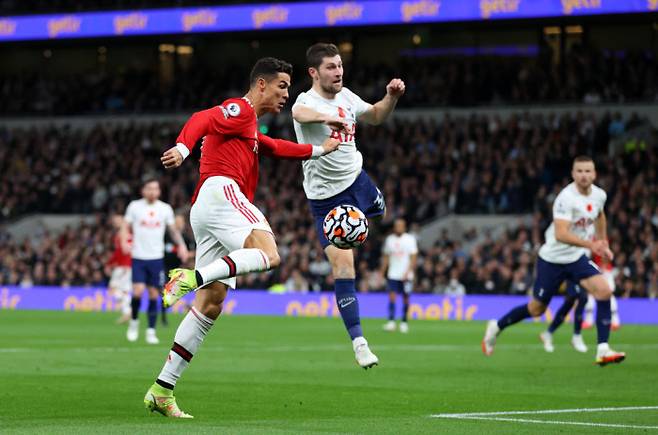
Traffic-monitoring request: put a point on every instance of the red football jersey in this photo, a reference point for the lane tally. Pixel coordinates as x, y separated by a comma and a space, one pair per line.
231, 143
118, 258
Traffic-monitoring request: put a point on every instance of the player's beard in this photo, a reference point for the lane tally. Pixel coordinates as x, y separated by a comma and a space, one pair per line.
331, 88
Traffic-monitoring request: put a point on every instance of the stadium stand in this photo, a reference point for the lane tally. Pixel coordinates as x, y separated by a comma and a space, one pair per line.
589, 76
477, 164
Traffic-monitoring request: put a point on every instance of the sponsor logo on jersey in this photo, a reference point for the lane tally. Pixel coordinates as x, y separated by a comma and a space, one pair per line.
224, 111
233, 109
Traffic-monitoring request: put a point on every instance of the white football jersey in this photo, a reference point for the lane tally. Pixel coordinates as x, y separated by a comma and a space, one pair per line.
148, 223
399, 250
581, 210
331, 174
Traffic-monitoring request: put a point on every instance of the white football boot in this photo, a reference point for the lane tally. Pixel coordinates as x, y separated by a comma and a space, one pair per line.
489, 340
151, 338
390, 326
133, 330
578, 343
605, 355
404, 327
364, 357
547, 338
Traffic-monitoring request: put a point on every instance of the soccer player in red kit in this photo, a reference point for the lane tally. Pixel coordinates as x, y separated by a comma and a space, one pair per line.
120, 263
232, 235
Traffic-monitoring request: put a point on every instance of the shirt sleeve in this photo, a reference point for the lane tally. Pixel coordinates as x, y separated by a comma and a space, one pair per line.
129, 217
301, 99
562, 208
360, 106
284, 149
230, 119
169, 216
413, 245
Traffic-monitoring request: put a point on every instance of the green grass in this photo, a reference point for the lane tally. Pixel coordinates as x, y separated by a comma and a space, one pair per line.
63, 372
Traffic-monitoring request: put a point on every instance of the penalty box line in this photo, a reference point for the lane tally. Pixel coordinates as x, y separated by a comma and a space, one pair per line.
500, 416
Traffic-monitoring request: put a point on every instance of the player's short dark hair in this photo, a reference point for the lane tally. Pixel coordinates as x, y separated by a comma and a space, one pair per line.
583, 158
267, 68
319, 51
148, 180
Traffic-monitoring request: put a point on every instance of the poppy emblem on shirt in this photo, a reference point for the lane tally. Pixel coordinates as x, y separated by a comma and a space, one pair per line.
341, 112
589, 207
233, 109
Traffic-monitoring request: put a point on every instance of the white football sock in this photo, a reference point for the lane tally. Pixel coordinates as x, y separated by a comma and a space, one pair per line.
589, 310
126, 309
238, 262
189, 336
614, 310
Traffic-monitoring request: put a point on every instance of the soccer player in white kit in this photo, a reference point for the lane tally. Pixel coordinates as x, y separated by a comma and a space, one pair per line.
577, 214
147, 218
330, 110
399, 264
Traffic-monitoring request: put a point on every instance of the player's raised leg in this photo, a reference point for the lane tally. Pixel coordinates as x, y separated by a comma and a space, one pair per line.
342, 266
534, 308
241, 261
548, 279
599, 288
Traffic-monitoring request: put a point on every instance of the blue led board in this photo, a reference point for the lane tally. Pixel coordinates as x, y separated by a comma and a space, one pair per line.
299, 15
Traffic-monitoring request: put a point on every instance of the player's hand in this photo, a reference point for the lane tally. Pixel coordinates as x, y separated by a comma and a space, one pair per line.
171, 158
337, 124
600, 248
395, 88
330, 145
183, 253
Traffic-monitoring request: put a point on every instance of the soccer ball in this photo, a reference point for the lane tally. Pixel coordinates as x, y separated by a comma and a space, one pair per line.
345, 227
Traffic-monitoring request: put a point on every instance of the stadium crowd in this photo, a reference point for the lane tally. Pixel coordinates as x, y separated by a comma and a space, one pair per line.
425, 168
589, 75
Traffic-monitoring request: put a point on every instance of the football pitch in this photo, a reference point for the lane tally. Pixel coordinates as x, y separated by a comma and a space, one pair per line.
64, 372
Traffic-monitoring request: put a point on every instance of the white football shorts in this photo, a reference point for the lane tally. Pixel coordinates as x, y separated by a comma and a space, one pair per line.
121, 279
222, 218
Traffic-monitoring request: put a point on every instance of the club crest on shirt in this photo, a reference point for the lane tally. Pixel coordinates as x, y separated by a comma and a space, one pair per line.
233, 109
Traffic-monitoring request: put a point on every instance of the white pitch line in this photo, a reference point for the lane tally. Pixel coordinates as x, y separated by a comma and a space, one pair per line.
568, 423
546, 411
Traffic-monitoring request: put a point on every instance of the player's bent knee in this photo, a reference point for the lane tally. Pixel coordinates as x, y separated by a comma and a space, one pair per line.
536, 308
273, 258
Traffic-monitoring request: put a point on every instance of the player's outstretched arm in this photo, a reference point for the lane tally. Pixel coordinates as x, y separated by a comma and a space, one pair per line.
285, 149
306, 115
381, 110
231, 122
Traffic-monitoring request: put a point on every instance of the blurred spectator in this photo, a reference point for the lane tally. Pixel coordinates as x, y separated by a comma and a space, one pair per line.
426, 169
593, 76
